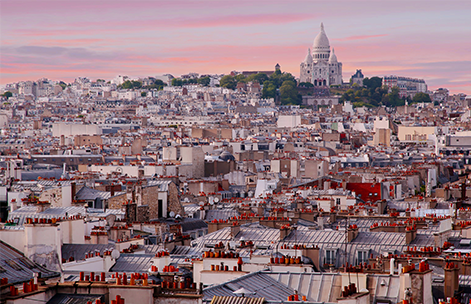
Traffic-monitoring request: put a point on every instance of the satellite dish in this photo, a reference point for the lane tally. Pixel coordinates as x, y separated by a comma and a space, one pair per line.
216, 199
172, 214
110, 219
232, 244
119, 169
115, 254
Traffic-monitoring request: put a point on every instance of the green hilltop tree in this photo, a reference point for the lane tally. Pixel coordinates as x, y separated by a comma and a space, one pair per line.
228, 81
421, 97
204, 81
260, 77
177, 82
289, 93
269, 90
7, 94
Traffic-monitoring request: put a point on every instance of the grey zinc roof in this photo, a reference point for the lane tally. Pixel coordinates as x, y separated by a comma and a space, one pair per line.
89, 194
317, 287
133, 263
373, 242
78, 251
222, 214
30, 212
259, 284
236, 300
74, 298
17, 268
163, 184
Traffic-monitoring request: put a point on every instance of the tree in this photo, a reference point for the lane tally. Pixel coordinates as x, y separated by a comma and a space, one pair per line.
240, 78
177, 82
306, 85
289, 93
128, 85
278, 78
372, 83
63, 85
228, 82
7, 94
421, 97
269, 90
143, 94
393, 98
204, 81
158, 84
260, 77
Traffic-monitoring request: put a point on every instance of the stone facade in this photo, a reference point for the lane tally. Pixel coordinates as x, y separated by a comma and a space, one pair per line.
152, 201
321, 67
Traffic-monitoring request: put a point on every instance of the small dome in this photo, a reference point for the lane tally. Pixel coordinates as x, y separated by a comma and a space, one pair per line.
321, 42
226, 156
333, 57
308, 58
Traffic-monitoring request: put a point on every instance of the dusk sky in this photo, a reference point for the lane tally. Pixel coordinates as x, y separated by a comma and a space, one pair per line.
62, 40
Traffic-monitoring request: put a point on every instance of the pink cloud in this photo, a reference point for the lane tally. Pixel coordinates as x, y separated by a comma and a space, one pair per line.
362, 37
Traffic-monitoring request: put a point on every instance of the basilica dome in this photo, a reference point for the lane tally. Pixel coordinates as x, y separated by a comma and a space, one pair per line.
321, 46
321, 42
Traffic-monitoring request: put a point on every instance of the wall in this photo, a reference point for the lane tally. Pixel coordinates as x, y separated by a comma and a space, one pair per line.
67, 129
82, 140
72, 231
288, 121
15, 238
406, 133
43, 245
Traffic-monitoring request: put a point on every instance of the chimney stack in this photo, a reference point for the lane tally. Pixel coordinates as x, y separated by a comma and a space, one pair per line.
235, 229
284, 232
451, 279
411, 233
352, 232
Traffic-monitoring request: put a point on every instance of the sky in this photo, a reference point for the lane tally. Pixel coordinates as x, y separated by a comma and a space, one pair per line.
66, 39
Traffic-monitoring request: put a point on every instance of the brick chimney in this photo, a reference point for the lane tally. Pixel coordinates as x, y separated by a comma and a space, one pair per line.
411, 233
451, 279
313, 254
235, 229
284, 232
352, 233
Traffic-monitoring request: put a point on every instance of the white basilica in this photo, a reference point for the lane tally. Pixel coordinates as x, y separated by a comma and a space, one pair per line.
321, 67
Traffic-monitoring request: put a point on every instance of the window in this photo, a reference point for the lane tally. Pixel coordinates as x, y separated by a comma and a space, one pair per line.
337, 201
362, 256
330, 256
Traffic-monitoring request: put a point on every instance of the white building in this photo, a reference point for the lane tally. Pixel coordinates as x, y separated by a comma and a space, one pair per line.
321, 67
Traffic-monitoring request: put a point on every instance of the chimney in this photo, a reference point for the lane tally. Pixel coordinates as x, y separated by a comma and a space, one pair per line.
42, 206
284, 232
451, 279
352, 233
235, 229
313, 254
411, 233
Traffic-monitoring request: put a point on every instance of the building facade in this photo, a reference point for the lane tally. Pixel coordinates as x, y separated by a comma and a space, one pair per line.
407, 86
320, 67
